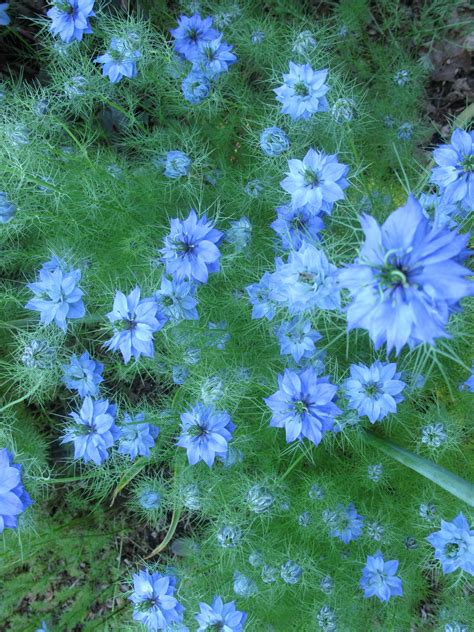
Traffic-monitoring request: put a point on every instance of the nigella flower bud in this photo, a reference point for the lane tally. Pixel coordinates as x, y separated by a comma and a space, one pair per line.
411, 543
244, 586
253, 188
231, 457
256, 559
433, 435
343, 110
180, 374
269, 574
7, 208
375, 531
191, 497
274, 141
291, 572
305, 519
239, 234
427, 511
405, 131
326, 619
259, 499
38, 355
327, 584
316, 492
229, 536
257, 37
305, 42
75, 87
212, 390
149, 499
20, 135
401, 77
375, 472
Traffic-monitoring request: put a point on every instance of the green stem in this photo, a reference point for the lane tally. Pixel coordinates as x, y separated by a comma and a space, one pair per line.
293, 465
20, 399
169, 536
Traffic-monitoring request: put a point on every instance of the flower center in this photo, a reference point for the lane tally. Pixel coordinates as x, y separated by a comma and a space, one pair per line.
311, 178
468, 163
301, 89
452, 550
372, 389
301, 407
306, 277
193, 35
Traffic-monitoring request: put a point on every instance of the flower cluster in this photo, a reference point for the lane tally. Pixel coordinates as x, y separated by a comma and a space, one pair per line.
70, 19
120, 59
454, 174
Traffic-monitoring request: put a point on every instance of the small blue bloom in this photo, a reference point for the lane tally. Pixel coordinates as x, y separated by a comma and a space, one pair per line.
14, 498
196, 87
57, 295
220, 616
469, 383
379, 578
177, 300
291, 572
405, 131
176, 164
239, 234
259, 295
94, 430
120, 59
297, 338
150, 499
7, 208
454, 545
4, 18
135, 322
375, 472
345, 523
401, 77
316, 182
295, 225
303, 405
269, 574
455, 172
274, 141
214, 57
154, 603
374, 391
229, 536
303, 91
180, 374
137, 438
438, 210
253, 188
244, 586
205, 433
190, 32
83, 375
191, 248
259, 499
433, 435
407, 280
70, 19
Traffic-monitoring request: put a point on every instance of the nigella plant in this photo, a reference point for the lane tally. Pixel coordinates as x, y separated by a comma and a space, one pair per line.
196, 87
454, 545
120, 59
379, 578
374, 391
154, 602
214, 57
176, 164
14, 498
295, 225
274, 141
70, 19
136, 437
7, 208
135, 321
455, 171
345, 523
57, 294
259, 295
316, 182
220, 616
190, 33
177, 300
191, 249
83, 375
205, 433
407, 280
303, 91
297, 338
438, 210
303, 405
93, 431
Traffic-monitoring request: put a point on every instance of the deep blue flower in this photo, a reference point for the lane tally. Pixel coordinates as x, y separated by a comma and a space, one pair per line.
379, 578
454, 545
94, 430
274, 141
214, 57
295, 225
303, 405
374, 391
196, 87
154, 601
120, 59
316, 182
455, 173
259, 295
83, 375
190, 32
137, 438
57, 295
7, 208
220, 616
14, 498
303, 91
345, 523
407, 280
205, 433
176, 164
177, 300
70, 19
135, 323
191, 248
4, 18
469, 383
291, 572
297, 338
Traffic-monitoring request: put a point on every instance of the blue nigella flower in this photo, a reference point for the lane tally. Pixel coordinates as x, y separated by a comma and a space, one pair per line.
7, 208
405, 131
57, 295
438, 210
154, 603
455, 172
374, 391
297, 338
220, 616
205, 433
244, 586
177, 300
4, 18
316, 182
303, 91
295, 225
303, 405
274, 141
14, 498
214, 57
401, 77
120, 59
375, 472
94, 430
345, 523
195, 87
190, 32
70, 19
136, 438
135, 323
469, 383
191, 248
83, 375
259, 295
291, 572
407, 279
150, 499
434, 435
379, 578
176, 164
239, 234
454, 545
